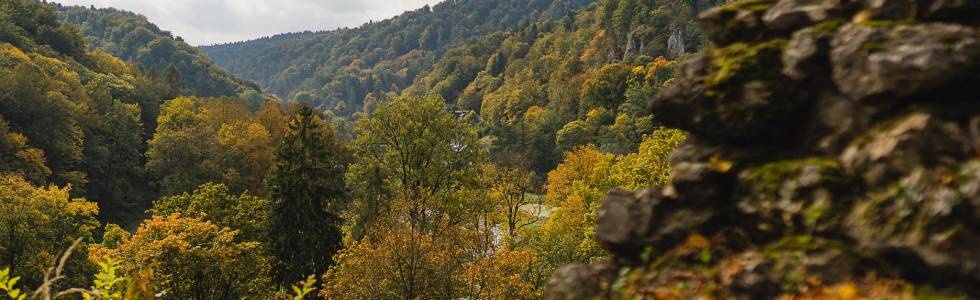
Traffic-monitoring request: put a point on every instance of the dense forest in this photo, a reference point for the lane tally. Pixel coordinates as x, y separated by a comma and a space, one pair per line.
337, 69
478, 149
169, 167
537, 89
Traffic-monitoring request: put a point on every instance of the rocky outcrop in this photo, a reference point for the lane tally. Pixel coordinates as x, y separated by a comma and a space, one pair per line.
834, 154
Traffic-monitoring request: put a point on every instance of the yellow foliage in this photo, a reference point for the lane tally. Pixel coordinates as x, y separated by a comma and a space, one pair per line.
649, 167
504, 275
11, 56
36, 223
192, 257
847, 291
585, 172
106, 63
401, 262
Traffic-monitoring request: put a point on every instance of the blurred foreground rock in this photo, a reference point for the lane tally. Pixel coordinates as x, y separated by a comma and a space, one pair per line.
835, 154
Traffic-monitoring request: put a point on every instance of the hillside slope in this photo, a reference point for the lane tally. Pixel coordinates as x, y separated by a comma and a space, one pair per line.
73, 116
548, 87
326, 68
134, 39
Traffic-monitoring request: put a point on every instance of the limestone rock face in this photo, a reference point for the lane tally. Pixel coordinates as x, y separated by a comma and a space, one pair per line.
834, 154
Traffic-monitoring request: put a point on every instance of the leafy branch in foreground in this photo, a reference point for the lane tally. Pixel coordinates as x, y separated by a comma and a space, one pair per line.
7, 284
53, 275
305, 288
107, 285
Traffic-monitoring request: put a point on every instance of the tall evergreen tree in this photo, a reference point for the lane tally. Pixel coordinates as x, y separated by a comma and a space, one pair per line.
307, 192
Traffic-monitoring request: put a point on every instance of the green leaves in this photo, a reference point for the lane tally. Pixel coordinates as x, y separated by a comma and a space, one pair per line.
107, 285
413, 149
305, 288
134, 39
7, 284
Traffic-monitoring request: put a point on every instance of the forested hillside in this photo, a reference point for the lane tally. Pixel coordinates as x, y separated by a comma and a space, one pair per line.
474, 150
552, 86
485, 200
134, 39
71, 116
337, 69
538, 88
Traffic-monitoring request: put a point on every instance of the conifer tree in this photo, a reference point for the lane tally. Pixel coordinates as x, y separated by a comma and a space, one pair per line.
307, 194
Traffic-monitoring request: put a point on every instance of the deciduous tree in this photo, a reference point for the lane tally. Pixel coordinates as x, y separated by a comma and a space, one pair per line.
215, 203
195, 259
37, 223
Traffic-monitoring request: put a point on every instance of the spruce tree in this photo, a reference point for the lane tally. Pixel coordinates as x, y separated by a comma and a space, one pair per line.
307, 193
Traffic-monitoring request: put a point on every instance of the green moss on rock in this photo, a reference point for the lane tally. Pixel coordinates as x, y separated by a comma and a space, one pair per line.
744, 60
770, 176
790, 194
831, 25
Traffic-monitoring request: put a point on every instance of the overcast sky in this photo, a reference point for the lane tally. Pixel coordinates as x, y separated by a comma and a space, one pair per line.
219, 21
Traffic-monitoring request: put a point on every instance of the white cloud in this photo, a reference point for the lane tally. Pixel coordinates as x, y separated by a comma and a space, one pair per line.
220, 21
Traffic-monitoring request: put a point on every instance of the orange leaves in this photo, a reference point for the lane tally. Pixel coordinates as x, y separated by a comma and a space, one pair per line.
869, 288
719, 164
398, 262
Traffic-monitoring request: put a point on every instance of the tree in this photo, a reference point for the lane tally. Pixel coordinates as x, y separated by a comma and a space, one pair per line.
215, 203
508, 185
606, 88
412, 149
37, 223
42, 108
272, 116
195, 259
575, 189
417, 204
650, 166
171, 76
150, 91
505, 274
401, 264
583, 173
244, 151
179, 155
307, 193
113, 158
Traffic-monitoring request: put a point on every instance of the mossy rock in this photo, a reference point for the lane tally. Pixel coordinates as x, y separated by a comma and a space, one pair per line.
740, 21
794, 195
887, 62
793, 267
929, 217
830, 26
736, 92
742, 60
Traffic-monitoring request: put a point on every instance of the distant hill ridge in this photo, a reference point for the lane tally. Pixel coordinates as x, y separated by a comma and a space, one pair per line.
377, 57
135, 39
